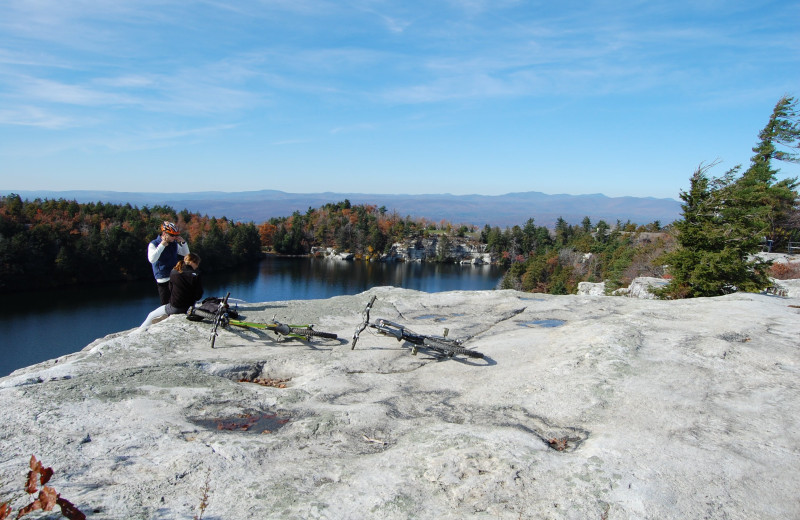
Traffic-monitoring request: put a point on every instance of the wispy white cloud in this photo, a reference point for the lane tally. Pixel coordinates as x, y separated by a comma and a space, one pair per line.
126, 81
457, 87
9, 60
360, 127
596, 52
36, 117
396, 25
475, 7
286, 142
202, 91
111, 75
178, 134
256, 7
501, 49
51, 91
216, 88
117, 141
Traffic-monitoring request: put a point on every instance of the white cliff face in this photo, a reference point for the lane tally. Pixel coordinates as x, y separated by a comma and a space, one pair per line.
455, 249
591, 288
643, 288
585, 407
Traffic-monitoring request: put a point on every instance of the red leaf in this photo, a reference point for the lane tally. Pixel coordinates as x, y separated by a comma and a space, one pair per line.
68, 510
5, 510
47, 473
37, 473
47, 498
33, 506
30, 486
33, 476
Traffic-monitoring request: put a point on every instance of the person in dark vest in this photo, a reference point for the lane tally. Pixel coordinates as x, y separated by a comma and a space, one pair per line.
163, 253
185, 289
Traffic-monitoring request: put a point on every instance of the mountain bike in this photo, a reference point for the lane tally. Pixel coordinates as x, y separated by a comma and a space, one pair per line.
442, 345
222, 318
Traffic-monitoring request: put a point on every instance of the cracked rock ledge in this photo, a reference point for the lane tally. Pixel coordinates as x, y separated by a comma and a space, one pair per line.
583, 407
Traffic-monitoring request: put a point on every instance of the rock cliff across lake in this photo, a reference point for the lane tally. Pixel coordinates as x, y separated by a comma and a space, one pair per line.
585, 407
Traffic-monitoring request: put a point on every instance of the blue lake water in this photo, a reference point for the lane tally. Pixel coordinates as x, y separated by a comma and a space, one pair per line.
35, 327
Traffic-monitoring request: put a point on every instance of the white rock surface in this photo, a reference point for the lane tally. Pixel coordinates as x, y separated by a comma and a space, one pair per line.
642, 288
780, 258
790, 288
592, 288
669, 410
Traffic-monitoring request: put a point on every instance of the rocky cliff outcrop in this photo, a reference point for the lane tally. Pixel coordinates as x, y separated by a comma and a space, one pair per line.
643, 288
435, 248
584, 407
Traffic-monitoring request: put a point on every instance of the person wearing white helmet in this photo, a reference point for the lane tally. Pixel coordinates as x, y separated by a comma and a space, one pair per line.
163, 253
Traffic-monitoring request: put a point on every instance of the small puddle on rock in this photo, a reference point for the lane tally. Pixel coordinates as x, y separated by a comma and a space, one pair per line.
542, 323
434, 317
251, 423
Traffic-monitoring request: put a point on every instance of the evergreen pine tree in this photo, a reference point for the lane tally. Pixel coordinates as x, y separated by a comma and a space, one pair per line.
726, 220
773, 201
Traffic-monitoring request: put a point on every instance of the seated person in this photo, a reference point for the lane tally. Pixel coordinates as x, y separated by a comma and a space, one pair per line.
185, 289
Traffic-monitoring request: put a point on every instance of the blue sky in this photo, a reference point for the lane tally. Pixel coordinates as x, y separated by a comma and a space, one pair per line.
436, 96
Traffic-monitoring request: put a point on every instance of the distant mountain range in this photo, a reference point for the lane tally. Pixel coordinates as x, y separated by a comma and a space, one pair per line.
496, 210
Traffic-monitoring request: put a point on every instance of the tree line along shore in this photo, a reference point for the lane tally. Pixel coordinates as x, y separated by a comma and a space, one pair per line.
709, 251
53, 243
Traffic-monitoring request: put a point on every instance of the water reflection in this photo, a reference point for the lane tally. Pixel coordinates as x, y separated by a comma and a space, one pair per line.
303, 279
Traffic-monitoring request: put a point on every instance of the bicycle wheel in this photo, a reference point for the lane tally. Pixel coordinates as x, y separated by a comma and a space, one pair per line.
308, 333
220, 318
214, 332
